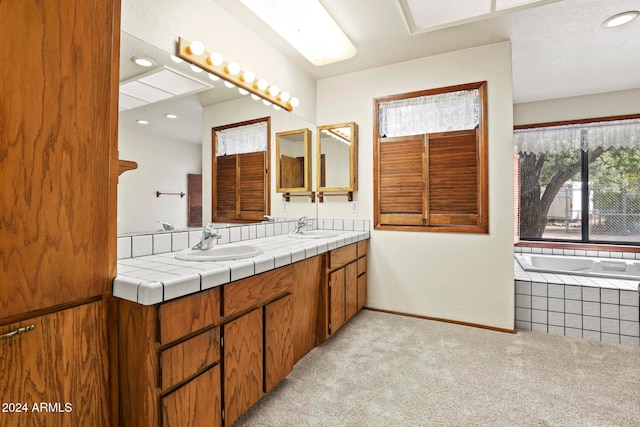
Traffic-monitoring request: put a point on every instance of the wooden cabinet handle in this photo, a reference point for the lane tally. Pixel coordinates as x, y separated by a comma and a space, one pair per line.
17, 331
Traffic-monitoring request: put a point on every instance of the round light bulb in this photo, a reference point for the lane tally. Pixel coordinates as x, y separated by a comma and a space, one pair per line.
262, 84
215, 59
213, 77
294, 102
284, 96
255, 97
229, 85
276, 107
196, 48
233, 68
196, 69
243, 91
265, 102
248, 77
273, 90
176, 59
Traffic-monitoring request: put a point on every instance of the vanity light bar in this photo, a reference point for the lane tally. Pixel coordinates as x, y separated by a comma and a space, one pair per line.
231, 72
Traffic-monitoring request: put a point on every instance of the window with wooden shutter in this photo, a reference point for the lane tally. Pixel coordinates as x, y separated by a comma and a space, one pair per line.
240, 180
436, 181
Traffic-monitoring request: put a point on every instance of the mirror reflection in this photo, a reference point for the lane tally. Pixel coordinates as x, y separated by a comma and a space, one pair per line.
293, 161
336, 158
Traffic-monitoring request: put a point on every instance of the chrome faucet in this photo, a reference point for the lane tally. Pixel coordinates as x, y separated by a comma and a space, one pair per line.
207, 238
166, 226
269, 218
302, 222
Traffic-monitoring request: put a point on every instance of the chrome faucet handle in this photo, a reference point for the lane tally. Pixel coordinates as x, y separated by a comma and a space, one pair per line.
269, 218
166, 226
207, 238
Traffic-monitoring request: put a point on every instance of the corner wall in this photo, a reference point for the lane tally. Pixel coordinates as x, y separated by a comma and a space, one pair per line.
462, 277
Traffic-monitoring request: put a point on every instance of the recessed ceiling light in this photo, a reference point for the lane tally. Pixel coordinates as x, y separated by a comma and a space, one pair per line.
143, 62
142, 122
171, 116
620, 19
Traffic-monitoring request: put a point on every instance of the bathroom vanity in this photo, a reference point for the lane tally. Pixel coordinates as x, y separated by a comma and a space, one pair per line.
206, 357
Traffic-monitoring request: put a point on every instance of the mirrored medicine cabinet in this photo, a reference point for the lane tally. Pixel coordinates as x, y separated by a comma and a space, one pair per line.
337, 160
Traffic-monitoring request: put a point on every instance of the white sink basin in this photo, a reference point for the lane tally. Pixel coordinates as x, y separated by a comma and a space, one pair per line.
219, 253
314, 234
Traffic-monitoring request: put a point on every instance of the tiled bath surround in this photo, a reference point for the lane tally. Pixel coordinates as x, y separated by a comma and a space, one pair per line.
578, 306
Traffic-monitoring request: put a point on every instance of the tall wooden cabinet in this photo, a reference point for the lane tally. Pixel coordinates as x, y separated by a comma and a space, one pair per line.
58, 166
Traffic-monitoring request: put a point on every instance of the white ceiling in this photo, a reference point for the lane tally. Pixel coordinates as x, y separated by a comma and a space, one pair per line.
559, 49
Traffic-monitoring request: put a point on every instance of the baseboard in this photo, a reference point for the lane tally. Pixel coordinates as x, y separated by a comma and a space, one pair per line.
439, 319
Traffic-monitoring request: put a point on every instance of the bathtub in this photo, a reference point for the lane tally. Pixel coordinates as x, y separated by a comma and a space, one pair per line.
612, 268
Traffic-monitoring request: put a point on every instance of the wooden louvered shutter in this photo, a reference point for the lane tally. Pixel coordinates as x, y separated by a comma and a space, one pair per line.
401, 180
225, 188
252, 185
453, 177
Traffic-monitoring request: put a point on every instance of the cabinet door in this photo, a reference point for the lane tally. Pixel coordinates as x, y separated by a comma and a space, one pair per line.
336, 300
243, 364
362, 290
307, 300
278, 357
197, 403
351, 290
63, 364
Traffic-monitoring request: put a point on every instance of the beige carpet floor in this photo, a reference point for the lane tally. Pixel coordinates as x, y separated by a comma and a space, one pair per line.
387, 370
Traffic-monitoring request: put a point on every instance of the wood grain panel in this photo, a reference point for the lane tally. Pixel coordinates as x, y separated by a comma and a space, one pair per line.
58, 152
243, 364
194, 200
62, 361
342, 256
362, 248
195, 404
189, 314
256, 290
291, 172
401, 181
189, 357
252, 194
351, 290
337, 300
362, 291
138, 371
307, 276
362, 265
278, 352
225, 187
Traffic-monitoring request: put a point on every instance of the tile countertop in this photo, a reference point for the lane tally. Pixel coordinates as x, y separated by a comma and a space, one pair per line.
153, 279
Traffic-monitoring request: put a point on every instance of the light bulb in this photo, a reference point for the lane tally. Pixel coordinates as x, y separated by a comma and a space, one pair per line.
143, 62
273, 90
176, 59
276, 107
248, 77
213, 77
262, 84
265, 102
195, 68
229, 85
294, 102
233, 68
255, 97
215, 59
243, 91
284, 96
196, 48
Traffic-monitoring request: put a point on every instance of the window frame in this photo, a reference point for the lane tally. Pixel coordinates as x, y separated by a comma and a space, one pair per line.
482, 226
581, 244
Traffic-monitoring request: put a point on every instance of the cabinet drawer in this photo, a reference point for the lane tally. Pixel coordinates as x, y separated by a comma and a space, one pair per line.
362, 265
255, 291
189, 357
189, 314
197, 403
342, 256
362, 248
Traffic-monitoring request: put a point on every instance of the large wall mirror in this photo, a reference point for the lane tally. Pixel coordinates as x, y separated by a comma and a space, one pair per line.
293, 161
337, 158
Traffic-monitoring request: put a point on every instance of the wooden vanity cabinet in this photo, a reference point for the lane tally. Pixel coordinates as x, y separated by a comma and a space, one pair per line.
344, 290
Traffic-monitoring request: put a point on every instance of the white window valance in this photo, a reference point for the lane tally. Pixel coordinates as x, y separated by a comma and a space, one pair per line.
444, 112
557, 139
242, 139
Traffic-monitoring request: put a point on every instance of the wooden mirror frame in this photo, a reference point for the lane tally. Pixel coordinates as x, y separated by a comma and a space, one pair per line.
306, 169
353, 159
